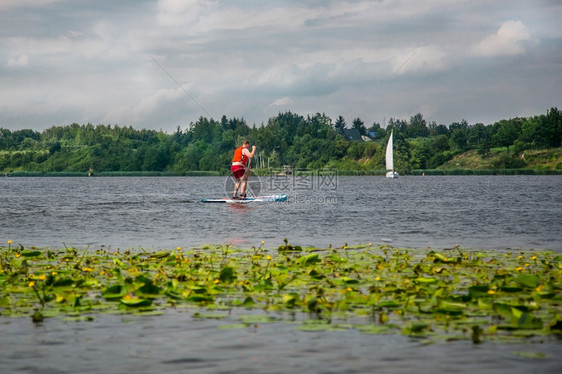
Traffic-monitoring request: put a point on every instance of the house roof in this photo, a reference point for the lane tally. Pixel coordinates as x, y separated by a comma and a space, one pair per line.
352, 134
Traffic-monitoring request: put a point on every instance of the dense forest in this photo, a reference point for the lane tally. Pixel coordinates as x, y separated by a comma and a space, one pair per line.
311, 142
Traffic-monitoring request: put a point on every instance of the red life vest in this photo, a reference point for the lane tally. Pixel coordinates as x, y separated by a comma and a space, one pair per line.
239, 157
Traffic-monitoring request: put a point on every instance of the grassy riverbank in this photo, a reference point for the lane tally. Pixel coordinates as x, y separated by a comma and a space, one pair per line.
455, 294
507, 158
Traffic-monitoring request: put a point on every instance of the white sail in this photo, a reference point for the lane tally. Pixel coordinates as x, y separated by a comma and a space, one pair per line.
389, 154
390, 159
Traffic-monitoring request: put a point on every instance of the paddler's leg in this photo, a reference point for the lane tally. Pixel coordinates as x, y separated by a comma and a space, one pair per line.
236, 185
237, 177
244, 184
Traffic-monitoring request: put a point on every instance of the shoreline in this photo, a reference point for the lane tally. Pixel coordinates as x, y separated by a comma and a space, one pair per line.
379, 173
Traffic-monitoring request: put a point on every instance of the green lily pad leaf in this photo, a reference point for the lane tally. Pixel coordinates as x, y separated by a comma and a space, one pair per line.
451, 305
531, 354
337, 259
426, 280
117, 291
424, 307
348, 280
148, 290
389, 304
248, 302
200, 298
31, 253
477, 291
199, 289
453, 309
312, 304
528, 322
173, 294
546, 294
482, 304
290, 299
135, 302
308, 260
527, 280
253, 319
143, 279
440, 258
322, 327
227, 274
210, 315
161, 254
416, 328
316, 274
503, 310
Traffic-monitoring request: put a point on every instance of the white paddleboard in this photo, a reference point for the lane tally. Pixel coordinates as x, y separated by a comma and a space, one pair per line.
277, 198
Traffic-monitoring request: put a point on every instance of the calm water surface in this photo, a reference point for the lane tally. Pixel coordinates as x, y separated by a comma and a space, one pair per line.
495, 212
176, 342
478, 212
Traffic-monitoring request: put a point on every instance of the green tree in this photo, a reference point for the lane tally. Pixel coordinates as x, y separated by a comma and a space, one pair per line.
340, 125
359, 125
417, 127
459, 135
506, 132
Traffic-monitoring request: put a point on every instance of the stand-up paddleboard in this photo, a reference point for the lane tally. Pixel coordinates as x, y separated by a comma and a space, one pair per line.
277, 198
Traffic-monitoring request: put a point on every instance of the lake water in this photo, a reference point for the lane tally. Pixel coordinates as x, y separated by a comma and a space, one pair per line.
495, 212
178, 343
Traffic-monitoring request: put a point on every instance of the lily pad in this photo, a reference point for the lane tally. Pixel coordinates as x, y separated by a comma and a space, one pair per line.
253, 319
117, 291
31, 253
135, 302
528, 280
524, 354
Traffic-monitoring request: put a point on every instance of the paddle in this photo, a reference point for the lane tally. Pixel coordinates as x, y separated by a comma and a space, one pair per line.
248, 168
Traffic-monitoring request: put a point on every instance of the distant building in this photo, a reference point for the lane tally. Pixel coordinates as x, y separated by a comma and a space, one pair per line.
352, 135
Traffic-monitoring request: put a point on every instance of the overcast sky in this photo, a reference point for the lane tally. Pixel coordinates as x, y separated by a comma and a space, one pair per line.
162, 64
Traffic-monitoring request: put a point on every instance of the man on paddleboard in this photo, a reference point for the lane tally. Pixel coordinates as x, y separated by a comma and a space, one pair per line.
240, 168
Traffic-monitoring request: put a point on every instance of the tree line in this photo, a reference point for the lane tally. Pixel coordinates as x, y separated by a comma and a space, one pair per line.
304, 142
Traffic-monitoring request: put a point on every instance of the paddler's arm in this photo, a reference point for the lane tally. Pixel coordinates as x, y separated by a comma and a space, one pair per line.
251, 154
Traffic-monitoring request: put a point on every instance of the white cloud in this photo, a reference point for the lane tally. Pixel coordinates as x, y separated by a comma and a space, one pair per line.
20, 61
507, 41
282, 101
182, 12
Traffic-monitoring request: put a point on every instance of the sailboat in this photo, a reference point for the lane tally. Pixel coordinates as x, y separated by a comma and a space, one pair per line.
390, 159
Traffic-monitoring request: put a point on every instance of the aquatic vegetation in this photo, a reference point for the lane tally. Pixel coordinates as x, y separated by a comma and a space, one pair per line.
467, 294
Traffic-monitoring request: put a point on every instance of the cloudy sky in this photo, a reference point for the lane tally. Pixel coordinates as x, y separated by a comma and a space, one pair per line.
160, 64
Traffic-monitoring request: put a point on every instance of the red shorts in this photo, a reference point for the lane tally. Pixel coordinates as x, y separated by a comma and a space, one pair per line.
238, 171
